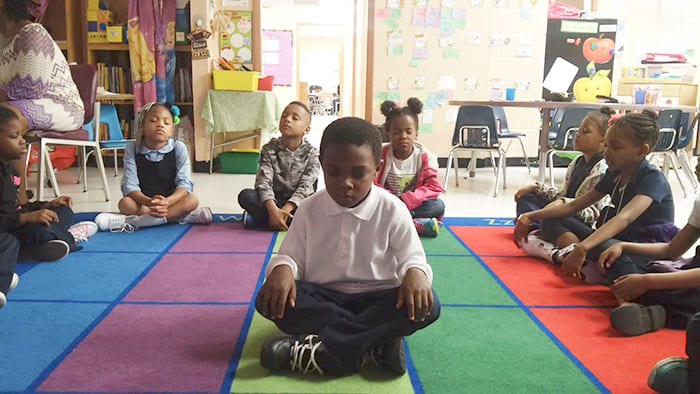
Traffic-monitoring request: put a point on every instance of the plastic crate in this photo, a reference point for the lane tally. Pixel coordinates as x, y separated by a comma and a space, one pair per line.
266, 83
244, 81
239, 161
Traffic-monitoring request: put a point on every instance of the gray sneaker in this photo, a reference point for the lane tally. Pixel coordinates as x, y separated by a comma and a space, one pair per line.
201, 215
669, 376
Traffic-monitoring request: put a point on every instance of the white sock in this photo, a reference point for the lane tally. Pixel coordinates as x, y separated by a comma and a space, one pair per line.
146, 221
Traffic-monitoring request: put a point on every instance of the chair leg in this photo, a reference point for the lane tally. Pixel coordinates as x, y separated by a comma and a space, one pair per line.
114, 153
83, 167
450, 157
550, 160
527, 160
52, 174
501, 166
41, 178
103, 174
682, 156
669, 157
493, 163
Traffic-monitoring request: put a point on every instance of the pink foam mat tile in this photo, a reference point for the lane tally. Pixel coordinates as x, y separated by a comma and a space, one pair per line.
224, 237
200, 278
153, 348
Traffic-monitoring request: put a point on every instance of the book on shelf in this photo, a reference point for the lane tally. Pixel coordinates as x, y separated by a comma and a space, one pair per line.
114, 78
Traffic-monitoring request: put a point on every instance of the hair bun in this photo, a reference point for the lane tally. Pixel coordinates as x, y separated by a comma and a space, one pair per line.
386, 107
415, 105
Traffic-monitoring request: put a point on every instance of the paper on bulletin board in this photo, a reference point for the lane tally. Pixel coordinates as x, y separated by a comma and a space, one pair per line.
560, 76
380, 97
235, 3
236, 44
278, 55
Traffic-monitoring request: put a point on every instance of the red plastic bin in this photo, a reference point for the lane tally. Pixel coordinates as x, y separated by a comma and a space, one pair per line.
266, 83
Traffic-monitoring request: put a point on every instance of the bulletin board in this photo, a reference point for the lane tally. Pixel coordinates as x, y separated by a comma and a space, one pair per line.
236, 42
277, 55
438, 50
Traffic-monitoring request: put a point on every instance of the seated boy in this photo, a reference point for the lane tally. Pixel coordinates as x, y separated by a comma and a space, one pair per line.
288, 173
346, 285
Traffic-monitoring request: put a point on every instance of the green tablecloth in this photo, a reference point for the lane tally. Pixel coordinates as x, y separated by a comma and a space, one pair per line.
229, 111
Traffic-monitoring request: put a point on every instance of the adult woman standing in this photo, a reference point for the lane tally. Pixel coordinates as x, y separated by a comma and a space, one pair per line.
35, 80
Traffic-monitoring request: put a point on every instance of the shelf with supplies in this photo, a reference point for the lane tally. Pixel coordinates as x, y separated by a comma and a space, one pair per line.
686, 93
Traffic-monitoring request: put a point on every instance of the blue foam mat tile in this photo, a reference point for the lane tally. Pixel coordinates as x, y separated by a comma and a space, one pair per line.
151, 239
83, 276
34, 334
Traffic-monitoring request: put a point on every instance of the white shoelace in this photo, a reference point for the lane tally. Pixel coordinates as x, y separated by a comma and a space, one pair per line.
119, 225
297, 355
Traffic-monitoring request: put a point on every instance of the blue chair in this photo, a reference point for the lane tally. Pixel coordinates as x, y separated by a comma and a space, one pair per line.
685, 137
504, 132
566, 124
670, 128
115, 140
476, 130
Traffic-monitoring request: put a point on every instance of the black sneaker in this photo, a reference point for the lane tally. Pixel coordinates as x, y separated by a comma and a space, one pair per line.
635, 319
390, 356
50, 251
291, 353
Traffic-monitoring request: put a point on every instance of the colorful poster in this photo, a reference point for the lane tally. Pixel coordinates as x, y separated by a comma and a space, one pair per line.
236, 43
277, 55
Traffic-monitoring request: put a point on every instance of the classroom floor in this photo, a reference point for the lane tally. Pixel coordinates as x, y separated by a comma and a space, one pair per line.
219, 191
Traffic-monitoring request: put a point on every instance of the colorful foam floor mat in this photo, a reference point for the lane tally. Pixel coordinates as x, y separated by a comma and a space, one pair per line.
170, 309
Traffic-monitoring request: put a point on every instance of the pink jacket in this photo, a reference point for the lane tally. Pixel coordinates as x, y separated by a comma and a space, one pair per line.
427, 187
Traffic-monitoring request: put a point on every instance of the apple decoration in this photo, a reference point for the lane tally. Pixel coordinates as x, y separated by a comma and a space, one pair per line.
598, 50
586, 89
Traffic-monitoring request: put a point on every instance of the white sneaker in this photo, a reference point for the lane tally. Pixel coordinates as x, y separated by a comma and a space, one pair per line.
81, 231
201, 215
3, 299
538, 247
14, 282
114, 222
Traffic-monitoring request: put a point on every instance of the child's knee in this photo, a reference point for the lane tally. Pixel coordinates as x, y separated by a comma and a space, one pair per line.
129, 206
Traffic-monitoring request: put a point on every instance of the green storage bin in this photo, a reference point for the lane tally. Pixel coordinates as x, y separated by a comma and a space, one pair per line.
239, 161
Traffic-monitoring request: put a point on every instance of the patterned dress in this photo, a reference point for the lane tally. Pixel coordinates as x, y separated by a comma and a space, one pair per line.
36, 78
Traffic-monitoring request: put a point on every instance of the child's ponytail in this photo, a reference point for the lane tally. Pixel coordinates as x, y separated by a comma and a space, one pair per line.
392, 110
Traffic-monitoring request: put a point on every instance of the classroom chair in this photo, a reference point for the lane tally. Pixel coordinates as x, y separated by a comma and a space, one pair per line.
566, 125
476, 130
504, 132
115, 139
85, 77
670, 129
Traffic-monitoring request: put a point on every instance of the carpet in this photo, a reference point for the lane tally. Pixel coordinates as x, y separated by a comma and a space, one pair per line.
170, 309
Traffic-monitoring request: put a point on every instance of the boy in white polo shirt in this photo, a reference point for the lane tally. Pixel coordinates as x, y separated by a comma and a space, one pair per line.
351, 277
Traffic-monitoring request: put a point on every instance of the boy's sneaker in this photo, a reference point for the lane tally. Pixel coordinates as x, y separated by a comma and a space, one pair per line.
114, 222
200, 215
669, 375
81, 231
390, 355
635, 319
292, 353
427, 227
50, 251
13, 284
538, 247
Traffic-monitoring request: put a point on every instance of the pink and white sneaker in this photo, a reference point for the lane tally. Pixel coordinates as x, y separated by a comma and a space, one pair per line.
81, 231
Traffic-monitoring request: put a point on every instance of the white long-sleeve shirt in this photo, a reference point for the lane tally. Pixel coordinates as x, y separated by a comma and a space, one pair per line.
352, 250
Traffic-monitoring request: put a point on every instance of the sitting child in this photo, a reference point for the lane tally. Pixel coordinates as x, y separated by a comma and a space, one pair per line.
347, 287
582, 175
157, 185
642, 204
39, 231
408, 170
288, 173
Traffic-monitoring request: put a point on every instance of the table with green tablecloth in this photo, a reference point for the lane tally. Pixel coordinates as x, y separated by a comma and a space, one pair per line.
246, 115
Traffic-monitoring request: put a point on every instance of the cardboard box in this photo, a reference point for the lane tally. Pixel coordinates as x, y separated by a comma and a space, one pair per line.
239, 161
116, 34
97, 23
244, 81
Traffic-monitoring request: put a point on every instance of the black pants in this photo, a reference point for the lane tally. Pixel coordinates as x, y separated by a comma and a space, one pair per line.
692, 349
434, 208
349, 324
249, 200
9, 249
530, 202
30, 236
553, 228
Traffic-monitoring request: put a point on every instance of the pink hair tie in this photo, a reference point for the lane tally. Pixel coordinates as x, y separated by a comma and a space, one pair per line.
613, 119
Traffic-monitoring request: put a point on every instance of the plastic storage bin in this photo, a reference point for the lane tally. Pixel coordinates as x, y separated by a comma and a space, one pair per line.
244, 81
266, 83
239, 161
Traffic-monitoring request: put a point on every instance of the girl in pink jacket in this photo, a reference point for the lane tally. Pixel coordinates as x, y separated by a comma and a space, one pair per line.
408, 170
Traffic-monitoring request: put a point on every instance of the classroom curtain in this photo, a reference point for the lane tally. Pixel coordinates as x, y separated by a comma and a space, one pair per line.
151, 33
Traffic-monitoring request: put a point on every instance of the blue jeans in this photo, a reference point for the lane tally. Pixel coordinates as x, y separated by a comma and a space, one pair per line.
430, 209
249, 200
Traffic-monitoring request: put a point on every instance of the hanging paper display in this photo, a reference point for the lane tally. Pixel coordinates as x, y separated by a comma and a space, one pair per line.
236, 41
277, 55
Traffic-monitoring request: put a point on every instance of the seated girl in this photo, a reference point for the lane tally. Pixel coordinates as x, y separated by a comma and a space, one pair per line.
157, 186
408, 169
583, 173
641, 207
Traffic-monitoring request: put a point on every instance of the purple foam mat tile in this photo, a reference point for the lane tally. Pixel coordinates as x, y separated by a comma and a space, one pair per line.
153, 348
223, 238
200, 278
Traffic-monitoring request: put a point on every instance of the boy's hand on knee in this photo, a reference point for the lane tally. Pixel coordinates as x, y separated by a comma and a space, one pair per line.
416, 294
522, 225
279, 290
57, 202
278, 219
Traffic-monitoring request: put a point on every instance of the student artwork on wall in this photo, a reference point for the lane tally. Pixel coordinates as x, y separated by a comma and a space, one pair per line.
277, 55
236, 43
